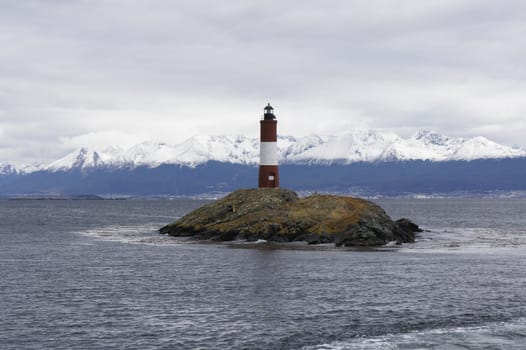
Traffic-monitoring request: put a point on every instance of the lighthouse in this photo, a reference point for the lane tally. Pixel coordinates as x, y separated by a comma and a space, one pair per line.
268, 151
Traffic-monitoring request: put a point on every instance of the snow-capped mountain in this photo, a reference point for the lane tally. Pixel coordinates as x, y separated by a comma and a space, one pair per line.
428, 145
352, 147
358, 146
87, 158
193, 151
7, 169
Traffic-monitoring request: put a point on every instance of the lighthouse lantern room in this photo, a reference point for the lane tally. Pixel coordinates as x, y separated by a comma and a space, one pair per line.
268, 160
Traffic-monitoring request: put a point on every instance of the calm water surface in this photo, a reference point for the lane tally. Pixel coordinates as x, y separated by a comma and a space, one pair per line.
96, 274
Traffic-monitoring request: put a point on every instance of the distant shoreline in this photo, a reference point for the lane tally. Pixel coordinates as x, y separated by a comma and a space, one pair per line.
497, 194
64, 198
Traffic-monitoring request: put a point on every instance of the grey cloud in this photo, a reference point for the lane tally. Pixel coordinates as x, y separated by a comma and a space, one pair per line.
82, 67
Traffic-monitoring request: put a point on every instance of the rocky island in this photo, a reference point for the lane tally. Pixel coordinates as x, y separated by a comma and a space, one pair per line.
280, 215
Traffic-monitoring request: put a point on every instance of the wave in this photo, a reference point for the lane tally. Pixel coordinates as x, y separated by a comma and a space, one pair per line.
445, 239
498, 335
465, 239
140, 234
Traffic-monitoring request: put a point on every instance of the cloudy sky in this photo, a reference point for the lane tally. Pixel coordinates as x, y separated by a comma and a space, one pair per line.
92, 73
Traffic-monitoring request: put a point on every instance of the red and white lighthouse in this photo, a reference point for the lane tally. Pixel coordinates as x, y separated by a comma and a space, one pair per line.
268, 151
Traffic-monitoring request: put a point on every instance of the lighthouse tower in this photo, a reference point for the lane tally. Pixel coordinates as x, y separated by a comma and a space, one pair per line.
268, 156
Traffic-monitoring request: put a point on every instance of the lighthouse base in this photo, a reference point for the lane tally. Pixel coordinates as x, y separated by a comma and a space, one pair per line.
268, 176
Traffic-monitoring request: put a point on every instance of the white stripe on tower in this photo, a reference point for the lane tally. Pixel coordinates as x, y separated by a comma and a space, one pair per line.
268, 153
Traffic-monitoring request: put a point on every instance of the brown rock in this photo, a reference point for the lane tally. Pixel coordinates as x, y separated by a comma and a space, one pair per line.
280, 215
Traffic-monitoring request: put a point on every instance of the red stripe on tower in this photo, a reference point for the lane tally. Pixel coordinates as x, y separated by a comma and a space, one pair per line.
268, 151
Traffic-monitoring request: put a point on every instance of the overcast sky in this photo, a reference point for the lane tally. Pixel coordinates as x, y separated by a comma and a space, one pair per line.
93, 73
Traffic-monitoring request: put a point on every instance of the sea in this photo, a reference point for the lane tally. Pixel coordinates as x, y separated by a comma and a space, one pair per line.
96, 274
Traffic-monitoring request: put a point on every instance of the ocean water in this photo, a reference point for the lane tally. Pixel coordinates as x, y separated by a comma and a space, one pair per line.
97, 275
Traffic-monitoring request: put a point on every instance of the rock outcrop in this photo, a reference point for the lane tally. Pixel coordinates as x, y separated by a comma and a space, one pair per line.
279, 215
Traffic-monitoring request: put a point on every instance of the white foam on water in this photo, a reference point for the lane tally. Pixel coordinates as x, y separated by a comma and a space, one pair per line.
450, 240
137, 234
499, 335
460, 239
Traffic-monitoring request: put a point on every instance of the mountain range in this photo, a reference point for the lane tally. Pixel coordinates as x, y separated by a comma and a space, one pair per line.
353, 147
368, 162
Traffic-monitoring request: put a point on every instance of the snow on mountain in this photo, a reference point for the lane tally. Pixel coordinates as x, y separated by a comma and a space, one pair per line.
7, 169
81, 158
200, 149
480, 147
195, 150
33, 167
149, 152
424, 145
356, 146
428, 145
88, 158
